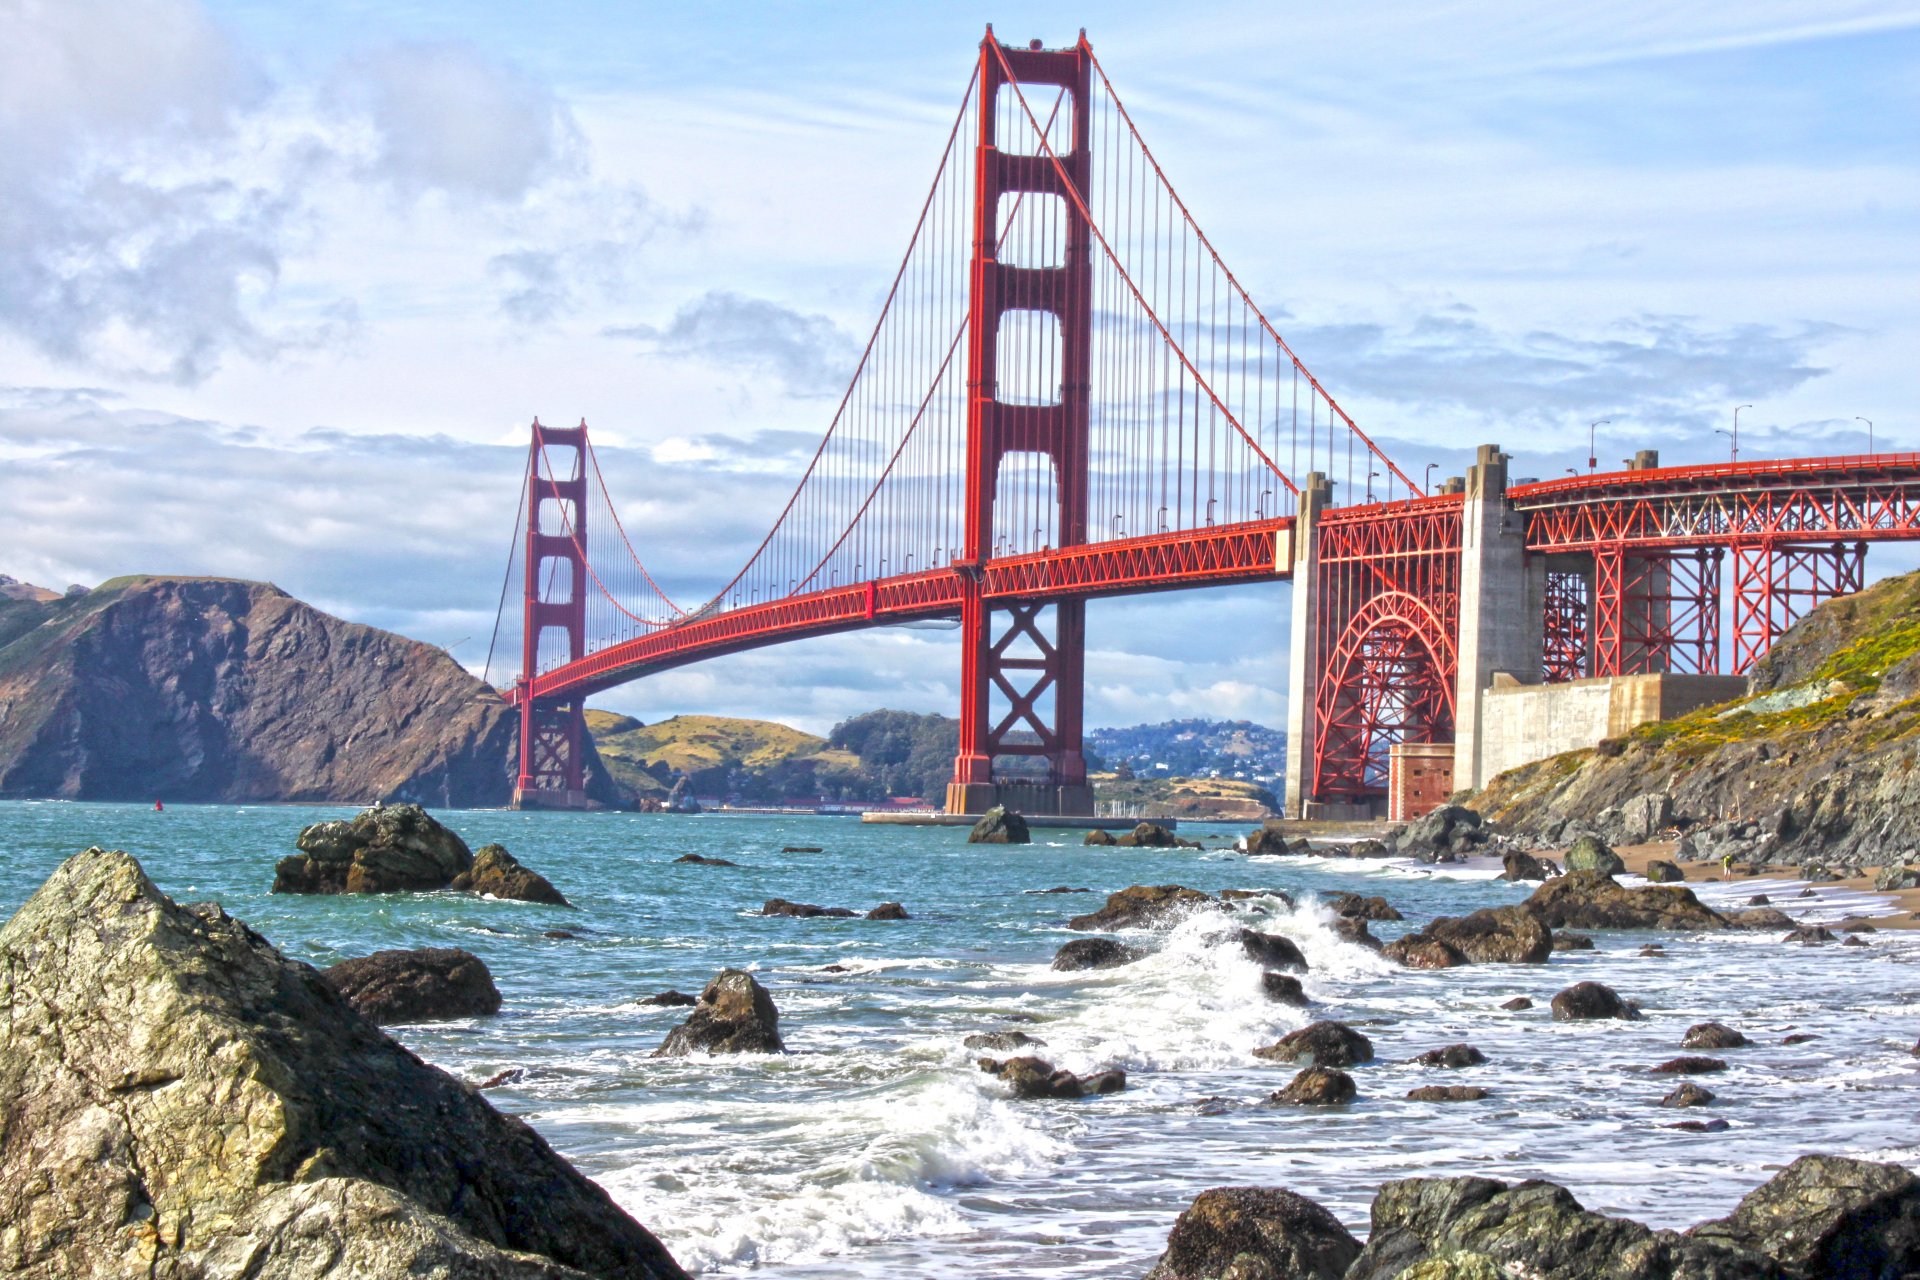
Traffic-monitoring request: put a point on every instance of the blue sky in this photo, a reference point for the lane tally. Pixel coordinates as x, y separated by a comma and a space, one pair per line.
281, 284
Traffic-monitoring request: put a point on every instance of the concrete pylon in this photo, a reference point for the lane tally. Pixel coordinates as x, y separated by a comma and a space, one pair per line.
1303, 656
1502, 606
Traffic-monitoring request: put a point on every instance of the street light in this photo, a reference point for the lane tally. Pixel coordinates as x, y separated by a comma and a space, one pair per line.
1426, 482
1371, 477
1592, 461
1869, 422
1736, 430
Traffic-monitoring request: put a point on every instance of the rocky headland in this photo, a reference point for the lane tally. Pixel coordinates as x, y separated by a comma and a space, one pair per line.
215, 689
181, 1102
1812, 768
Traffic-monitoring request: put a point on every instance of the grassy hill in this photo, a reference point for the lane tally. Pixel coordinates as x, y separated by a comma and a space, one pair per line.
756, 758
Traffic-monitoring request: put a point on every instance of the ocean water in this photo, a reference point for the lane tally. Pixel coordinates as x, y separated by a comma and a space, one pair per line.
874, 1147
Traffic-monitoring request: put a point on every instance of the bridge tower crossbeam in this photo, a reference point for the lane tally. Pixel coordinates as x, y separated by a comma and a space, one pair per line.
553, 735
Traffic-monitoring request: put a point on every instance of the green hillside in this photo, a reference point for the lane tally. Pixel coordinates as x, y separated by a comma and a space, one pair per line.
755, 759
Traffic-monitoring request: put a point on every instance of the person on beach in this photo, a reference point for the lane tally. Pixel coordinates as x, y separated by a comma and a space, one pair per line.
1726, 865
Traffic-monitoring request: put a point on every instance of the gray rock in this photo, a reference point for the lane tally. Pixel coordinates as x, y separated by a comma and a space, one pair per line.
1000, 825
1480, 1229
237, 1118
497, 873
431, 984
889, 911
1032, 1077
1315, 1086
735, 1015
1270, 951
1284, 988
1660, 871
1448, 1093
1688, 1094
1255, 1233
1453, 1055
804, 910
1521, 866
1145, 906
385, 849
1586, 1001
1713, 1035
1094, 953
1003, 1041
1590, 854
1829, 1218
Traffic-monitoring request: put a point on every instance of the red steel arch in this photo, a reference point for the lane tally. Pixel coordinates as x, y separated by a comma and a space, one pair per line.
1390, 678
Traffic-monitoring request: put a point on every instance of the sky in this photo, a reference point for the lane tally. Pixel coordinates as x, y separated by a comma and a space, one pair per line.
282, 284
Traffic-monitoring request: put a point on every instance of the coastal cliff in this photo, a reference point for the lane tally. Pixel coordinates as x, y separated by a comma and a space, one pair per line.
215, 689
1815, 765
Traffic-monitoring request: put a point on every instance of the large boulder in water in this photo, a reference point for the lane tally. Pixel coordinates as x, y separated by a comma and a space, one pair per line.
1259, 1233
1594, 900
1829, 1218
735, 1015
1094, 953
1320, 1044
1480, 1229
386, 849
431, 984
1492, 935
1144, 906
497, 873
1000, 825
1032, 1077
1589, 1001
1150, 835
182, 1101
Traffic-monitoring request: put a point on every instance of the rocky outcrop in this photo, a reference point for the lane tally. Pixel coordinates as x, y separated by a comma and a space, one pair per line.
402, 848
431, 984
1590, 854
1003, 1041
1516, 865
1816, 758
1032, 1077
1284, 988
1688, 1094
1588, 1001
1145, 906
1355, 907
1453, 1055
1000, 825
238, 1118
1094, 953
385, 849
1448, 832
1316, 1087
1255, 1233
701, 860
1320, 1044
1462, 1228
1660, 871
1492, 935
498, 874
735, 1015
889, 911
1271, 951
1592, 900
1099, 838
213, 689
1151, 835
804, 910
1713, 1035
1829, 1218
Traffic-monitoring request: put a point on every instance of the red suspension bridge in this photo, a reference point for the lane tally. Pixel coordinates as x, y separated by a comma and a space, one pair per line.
1069, 395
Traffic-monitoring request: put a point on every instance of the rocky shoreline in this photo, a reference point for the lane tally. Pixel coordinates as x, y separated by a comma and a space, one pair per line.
232, 999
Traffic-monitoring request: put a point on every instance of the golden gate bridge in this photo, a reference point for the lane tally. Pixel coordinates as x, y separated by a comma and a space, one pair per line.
1068, 395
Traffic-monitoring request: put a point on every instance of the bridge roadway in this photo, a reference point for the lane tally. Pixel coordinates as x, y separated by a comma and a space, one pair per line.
1856, 498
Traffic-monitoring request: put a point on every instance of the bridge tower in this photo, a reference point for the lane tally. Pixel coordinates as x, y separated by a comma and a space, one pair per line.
553, 733
1031, 658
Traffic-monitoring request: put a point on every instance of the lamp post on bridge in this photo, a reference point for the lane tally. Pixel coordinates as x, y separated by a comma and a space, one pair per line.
1426, 481
1371, 477
1734, 435
1592, 428
1869, 422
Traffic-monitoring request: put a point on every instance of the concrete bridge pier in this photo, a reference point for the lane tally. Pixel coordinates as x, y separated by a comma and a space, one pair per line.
1303, 644
1502, 606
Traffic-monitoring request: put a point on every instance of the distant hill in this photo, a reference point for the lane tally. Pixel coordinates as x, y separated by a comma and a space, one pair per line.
720, 755
216, 689
897, 754
14, 589
1233, 749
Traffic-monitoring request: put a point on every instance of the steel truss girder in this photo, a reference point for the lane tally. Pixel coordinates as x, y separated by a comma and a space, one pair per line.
1387, 612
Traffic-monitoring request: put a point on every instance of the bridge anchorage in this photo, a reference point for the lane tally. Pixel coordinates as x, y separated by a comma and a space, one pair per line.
1068, 395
